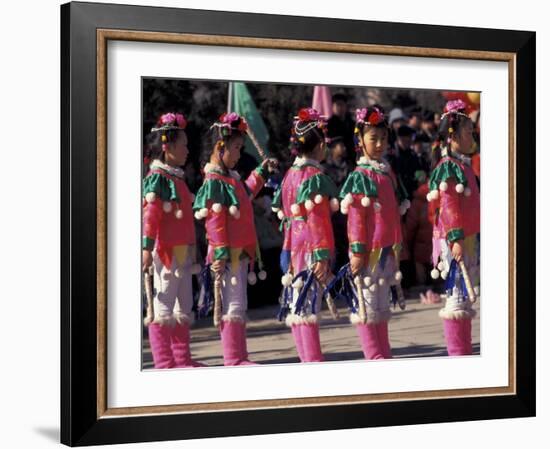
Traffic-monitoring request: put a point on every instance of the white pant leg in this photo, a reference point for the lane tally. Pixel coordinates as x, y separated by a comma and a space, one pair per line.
184, 298
377, 295
234, 297
166, 287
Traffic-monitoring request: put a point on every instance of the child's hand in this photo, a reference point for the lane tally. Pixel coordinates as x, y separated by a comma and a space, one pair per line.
272, 164
146, 260
218, 266
356, 264
320, 270
456, 250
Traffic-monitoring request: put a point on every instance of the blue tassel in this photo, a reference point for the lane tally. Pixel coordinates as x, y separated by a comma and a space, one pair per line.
308, 276
450, 282
342, 287
284, 260
206, 282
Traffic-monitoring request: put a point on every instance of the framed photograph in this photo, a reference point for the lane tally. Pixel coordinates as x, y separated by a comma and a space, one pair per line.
247, 200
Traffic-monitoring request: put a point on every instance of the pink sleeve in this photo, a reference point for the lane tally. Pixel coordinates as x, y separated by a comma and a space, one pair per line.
152, 213
450, 212
217, 234
358, 229
320, 231
255, 182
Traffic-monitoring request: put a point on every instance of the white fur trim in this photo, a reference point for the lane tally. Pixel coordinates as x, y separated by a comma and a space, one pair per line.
151, 197
318, 199
309, 205
355, 319
365, 201
280, 215
292, 319
295, 209
262, 275
165, 320
459, 188
167, 206
217, 207
459, 314
443, 186
334, 204
378, 317
233, 318
179, 214
183, 318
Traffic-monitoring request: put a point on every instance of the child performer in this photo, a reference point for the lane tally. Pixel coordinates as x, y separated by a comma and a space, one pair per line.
225, 201
370, 198
455, 194
303, 203
169, 243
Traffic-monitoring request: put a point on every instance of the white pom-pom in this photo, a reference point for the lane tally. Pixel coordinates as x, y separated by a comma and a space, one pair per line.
298, 283
434, 195
402, 210
217, 207
295, 209
444, 275
398, 276
309, 204
377, 206
367, 280
198, 215
406, 204
178, 273
443, 186
344, 208
373, 287
365, 201
233, 280
179, 214
204, 212
167, 206
262, 275
459, 188
286, 280
280, 215
150, 197
233, 210
275, 209
429, 196
318, 199
467, 191
440, 266
381, 282
348, 199
196, 268
334, 204
252, 278
434, 273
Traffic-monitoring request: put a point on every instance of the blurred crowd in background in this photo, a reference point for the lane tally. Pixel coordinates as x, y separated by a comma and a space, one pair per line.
413, 117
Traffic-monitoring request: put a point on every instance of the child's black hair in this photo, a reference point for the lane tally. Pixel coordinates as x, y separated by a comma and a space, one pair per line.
154, 142
212, 138
305, 143
450, 125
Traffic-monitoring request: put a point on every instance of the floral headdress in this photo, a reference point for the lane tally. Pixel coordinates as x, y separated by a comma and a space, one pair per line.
306, 120
229, 122
168, 122
453, 109
371, 116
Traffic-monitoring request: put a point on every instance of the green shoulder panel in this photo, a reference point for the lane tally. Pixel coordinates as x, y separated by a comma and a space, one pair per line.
217, 191
319, 183
277, 200
446, 170
360, 184
162, 186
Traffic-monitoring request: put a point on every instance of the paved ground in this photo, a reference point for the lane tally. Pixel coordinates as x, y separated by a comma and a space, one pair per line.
414, 332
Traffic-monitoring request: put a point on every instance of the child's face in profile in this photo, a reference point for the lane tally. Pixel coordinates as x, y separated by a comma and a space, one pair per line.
177, 152
232, 151
375, 142
463, 141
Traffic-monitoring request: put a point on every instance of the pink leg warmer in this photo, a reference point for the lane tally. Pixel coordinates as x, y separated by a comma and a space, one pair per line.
159, 339
368, 336
180, 347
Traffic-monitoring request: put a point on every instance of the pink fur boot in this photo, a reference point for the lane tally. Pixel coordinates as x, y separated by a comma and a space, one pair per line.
159, 339
311, 342
180, 347
384, 339
297, 335
368, 336
233, 335
458, 335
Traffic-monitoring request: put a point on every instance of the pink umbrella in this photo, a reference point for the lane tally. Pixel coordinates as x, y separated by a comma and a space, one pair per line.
322, 100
